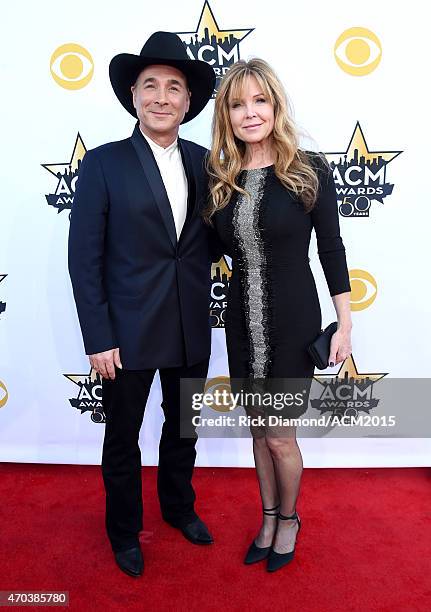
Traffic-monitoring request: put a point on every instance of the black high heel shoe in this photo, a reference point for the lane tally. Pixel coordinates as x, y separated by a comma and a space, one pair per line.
257, 553
278, 560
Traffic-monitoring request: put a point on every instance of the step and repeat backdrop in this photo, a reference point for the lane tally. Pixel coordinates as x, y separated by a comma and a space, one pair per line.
356, 78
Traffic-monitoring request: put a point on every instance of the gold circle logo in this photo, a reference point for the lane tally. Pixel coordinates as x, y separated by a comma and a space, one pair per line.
364, 289
221, 384
358, 51
71, 66
4, 395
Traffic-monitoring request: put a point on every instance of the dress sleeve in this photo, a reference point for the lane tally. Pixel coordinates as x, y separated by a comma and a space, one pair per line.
325, 221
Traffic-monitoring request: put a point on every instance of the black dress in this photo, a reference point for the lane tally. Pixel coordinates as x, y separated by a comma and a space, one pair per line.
273, 310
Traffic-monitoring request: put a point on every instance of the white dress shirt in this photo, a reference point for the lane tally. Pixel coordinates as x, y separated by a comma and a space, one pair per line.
174, 178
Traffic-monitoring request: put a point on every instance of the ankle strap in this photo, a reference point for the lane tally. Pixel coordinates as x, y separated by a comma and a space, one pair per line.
285, 518
270, 511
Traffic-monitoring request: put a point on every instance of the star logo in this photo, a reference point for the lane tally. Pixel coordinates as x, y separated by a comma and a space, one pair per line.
347, 392
349, 371
67, 175
2, 304
208, 43
89, 398
360, 175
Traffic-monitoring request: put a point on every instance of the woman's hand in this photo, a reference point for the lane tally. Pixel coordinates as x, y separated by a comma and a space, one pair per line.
341, 346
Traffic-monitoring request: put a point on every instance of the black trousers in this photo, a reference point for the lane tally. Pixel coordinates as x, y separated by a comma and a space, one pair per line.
124, 401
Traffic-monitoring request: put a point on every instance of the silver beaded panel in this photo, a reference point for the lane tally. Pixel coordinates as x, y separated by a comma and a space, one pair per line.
253, 269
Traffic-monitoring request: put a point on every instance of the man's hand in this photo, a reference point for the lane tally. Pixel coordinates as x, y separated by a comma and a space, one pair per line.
104, 363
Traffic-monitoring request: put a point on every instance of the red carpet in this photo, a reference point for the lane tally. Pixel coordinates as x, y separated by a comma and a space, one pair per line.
365, 543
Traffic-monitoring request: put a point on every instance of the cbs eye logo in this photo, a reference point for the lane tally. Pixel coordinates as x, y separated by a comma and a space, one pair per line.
358, 51
222, 385
4, 395
71, 66
364, 289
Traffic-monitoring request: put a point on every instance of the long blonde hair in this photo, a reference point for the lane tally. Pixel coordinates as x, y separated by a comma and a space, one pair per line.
292, 165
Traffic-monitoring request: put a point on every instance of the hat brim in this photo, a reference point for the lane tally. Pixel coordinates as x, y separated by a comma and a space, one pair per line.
125, 68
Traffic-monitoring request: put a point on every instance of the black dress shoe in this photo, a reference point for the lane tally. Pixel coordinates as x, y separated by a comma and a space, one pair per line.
130, 561
278, 560
258, 553
197, 532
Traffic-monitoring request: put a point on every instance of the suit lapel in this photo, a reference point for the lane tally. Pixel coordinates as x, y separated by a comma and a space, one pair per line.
151, 170
191, 180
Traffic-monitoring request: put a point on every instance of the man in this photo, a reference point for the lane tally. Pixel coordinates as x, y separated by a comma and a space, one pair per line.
139, 261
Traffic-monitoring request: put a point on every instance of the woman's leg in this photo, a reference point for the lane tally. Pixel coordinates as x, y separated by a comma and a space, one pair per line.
288, 466
267, 483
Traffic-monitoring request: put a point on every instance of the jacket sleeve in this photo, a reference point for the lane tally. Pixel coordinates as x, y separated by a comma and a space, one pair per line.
86, 256
325, 221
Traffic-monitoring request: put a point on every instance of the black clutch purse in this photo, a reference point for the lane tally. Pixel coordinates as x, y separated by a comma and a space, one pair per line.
319, 349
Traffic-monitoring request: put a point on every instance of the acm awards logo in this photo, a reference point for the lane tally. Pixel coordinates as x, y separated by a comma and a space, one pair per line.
66, 174
347, 392
218, 48
89, 395
360, 175
2, 304
220, 276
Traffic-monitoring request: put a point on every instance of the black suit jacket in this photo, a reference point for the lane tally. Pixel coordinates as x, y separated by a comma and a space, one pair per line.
135, 286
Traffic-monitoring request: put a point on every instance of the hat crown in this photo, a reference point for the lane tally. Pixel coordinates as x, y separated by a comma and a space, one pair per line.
164, 45
162, 48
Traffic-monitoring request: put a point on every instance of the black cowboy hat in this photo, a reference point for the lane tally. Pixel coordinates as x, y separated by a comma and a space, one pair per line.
163, 48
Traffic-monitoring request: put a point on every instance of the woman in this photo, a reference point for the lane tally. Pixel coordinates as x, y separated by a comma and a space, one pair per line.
266, 196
